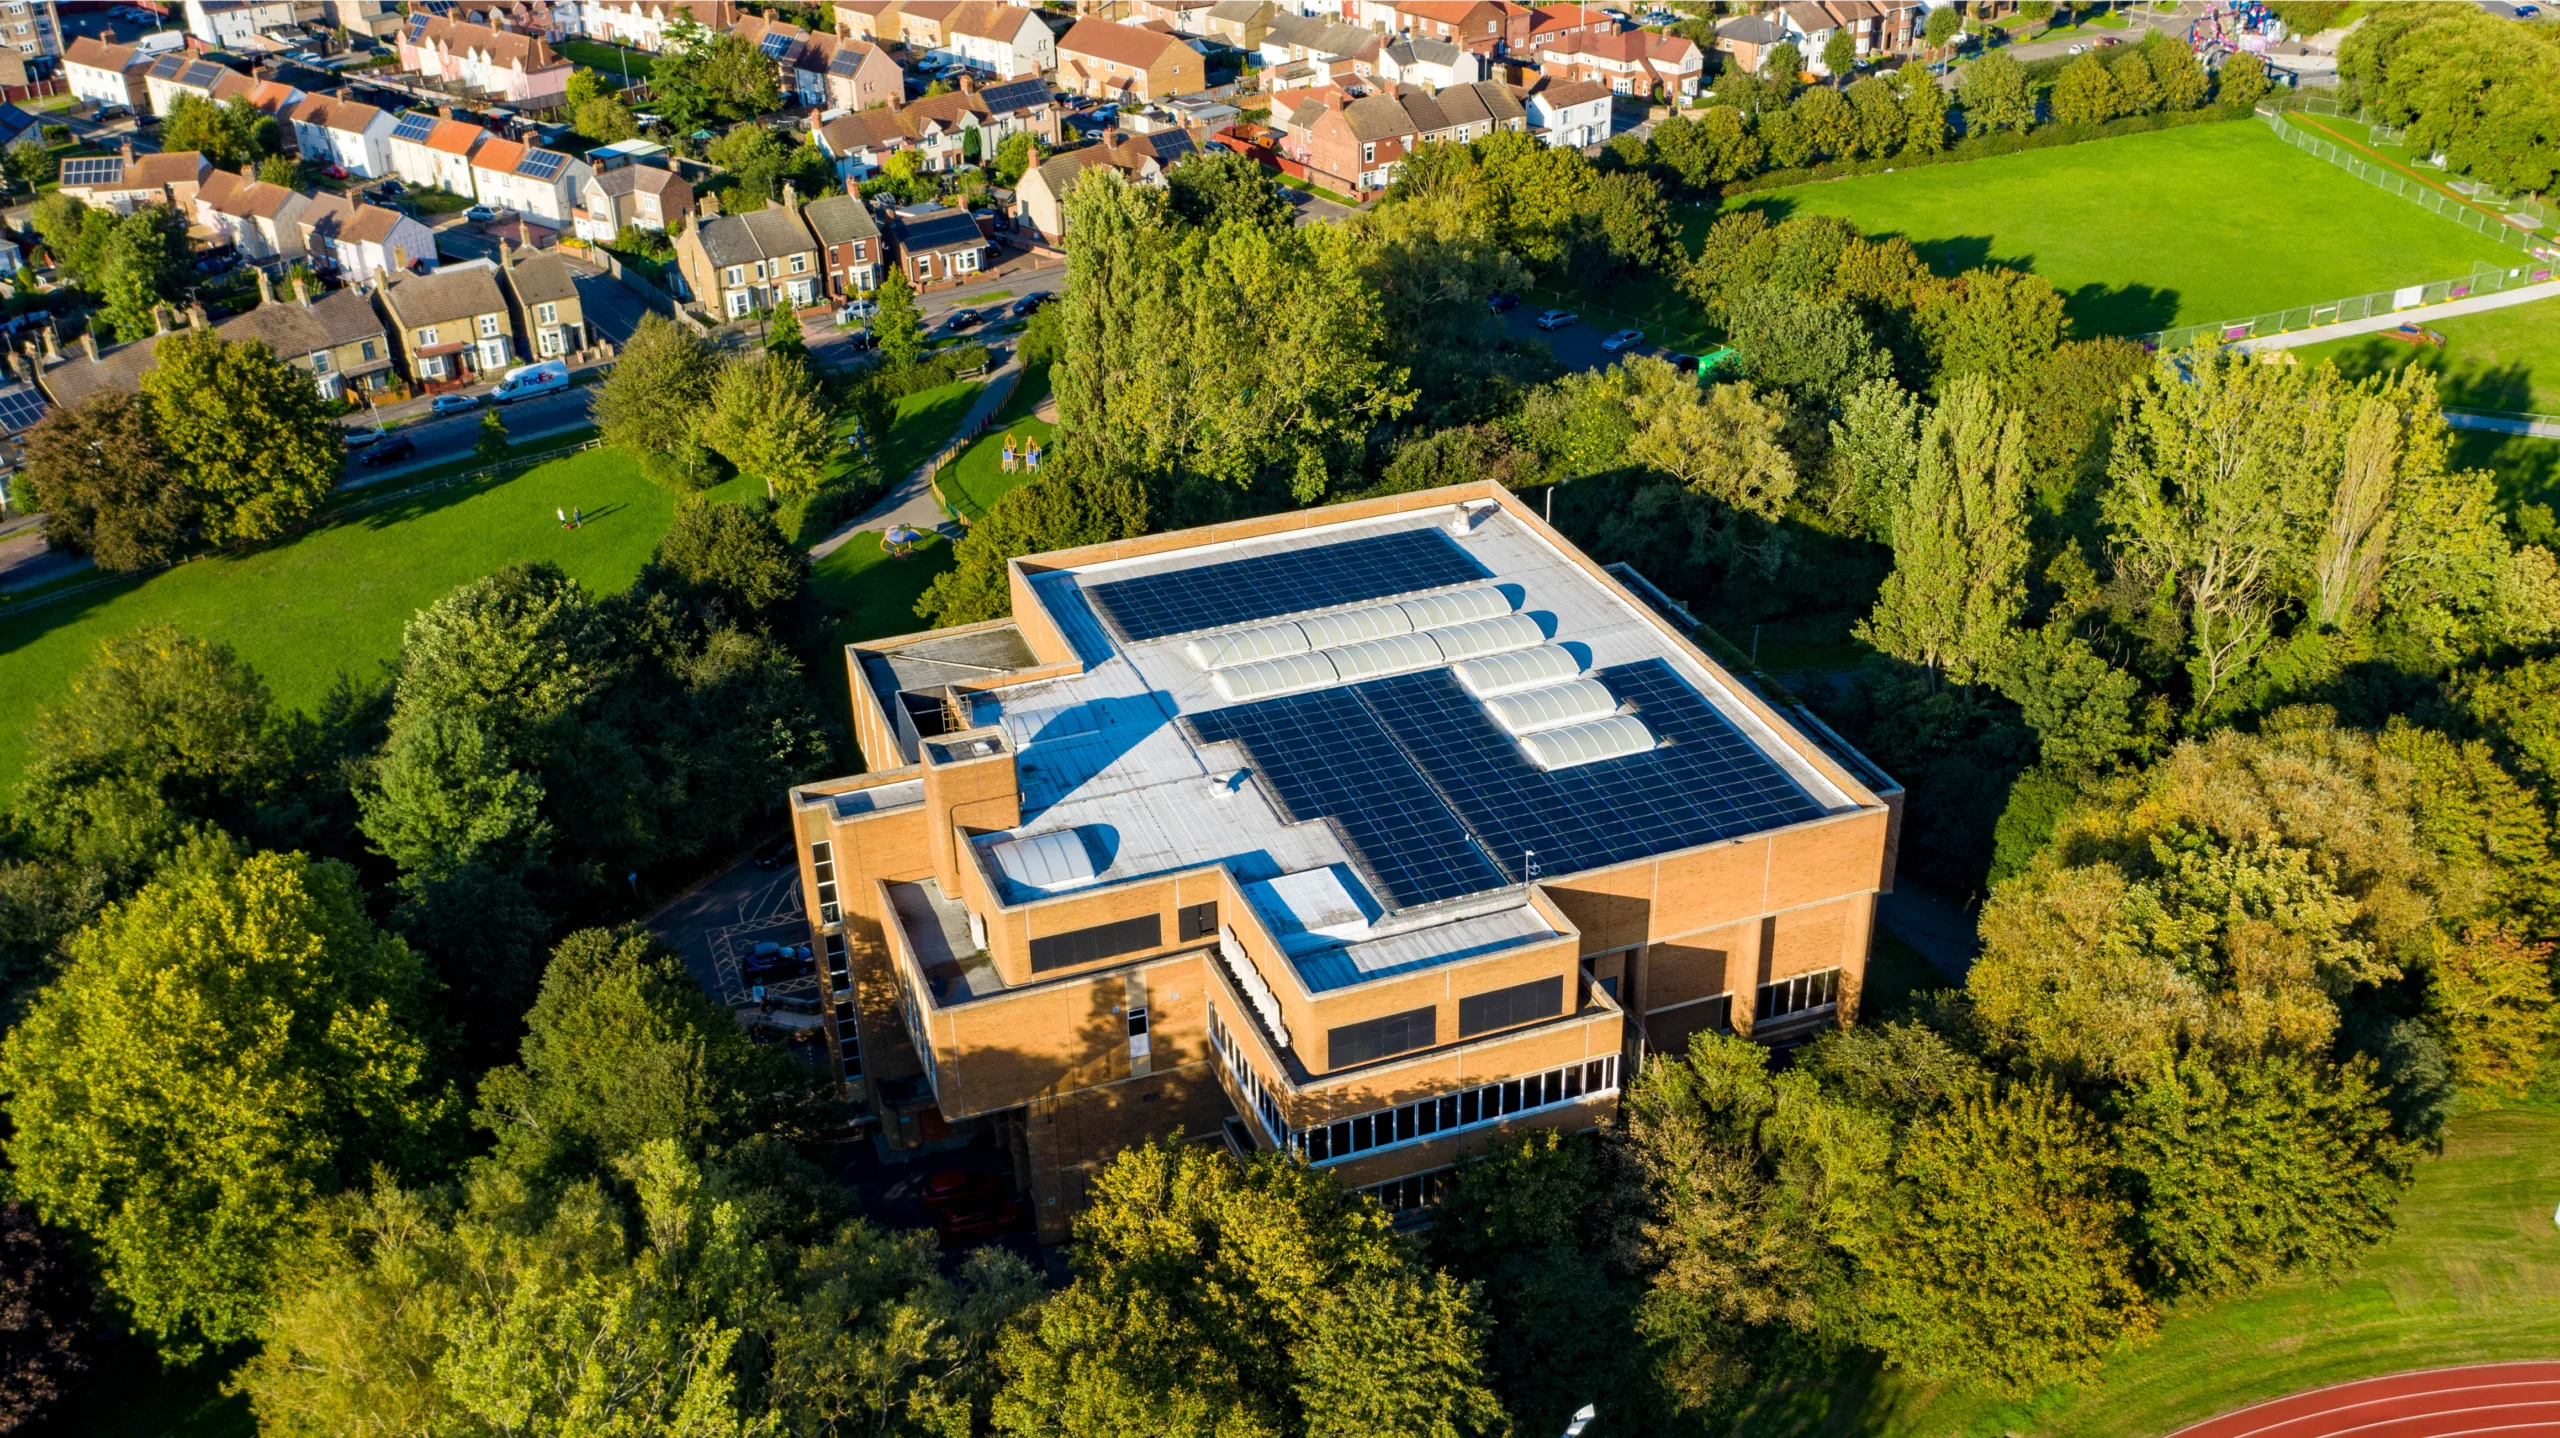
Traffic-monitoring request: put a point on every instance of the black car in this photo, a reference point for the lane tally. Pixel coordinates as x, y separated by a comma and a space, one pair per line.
776, 854
398, 446
769, 961
1029, 304
1502, 301
961, 320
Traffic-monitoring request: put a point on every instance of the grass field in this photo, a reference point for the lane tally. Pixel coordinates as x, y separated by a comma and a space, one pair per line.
610, 62
2472, 1276
2141, 232
2500, 359
925, 423
977, 479
873, 595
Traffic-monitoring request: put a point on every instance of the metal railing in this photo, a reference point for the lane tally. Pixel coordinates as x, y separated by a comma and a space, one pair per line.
2483, 280
2511, 221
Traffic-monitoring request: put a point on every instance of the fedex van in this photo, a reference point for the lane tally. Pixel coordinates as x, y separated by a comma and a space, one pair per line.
530, 380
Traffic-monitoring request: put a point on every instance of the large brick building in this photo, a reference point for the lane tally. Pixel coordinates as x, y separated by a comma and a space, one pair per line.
1363, 832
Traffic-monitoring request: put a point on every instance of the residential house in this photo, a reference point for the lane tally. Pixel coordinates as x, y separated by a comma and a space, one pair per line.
1240, 23
738, 264
1748, 39
357, 243
123, 181
1432, 64
542, 296
1299, 52
642, 24
631, 197
331, 131
1358, 144
539, 184
1005, 41
379, 19
938, 129
924, 26
522, 71
335, 337
178, 73
17, 124
259, 219
861, 143
1629, 62
1040, 197
1876, 27
1487, 28
873, 20
1176, 17
800, 67
1354, 142
435, 151
450, 325
1018, 106
107, 74
29, 30
861, 74
937, 245
1551, 23
848, 243
1458, 114
1570, 114
233, 24
1122, 62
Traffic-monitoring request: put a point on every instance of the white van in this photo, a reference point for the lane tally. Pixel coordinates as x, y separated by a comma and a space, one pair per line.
530, 380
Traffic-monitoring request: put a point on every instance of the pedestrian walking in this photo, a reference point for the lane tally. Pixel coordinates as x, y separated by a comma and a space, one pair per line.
577, 518
563, 516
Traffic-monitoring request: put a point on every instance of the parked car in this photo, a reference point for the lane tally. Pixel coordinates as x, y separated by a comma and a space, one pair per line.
1622, 341
479, 212
1556, 319
453, 404
862, 340
112, 112
856, 311
773, 856
359, 438
335, 172
983, 1218
769, 961
1686, 364
398, 446
960, 320
1502, 301
1030, 304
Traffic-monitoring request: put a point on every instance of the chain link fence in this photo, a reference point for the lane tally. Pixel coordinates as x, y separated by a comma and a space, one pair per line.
2483, 280
2511, 221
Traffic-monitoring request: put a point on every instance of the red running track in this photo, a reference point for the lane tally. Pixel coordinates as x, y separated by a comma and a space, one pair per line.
2497, 1400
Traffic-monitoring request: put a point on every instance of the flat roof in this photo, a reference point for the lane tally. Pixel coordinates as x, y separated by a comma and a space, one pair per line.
1413, 796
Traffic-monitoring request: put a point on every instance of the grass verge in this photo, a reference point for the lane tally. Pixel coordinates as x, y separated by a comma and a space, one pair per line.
977, 479
2505, 359
872, 594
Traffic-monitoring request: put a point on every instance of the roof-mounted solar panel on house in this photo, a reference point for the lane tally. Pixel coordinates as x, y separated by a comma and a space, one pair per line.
413, 126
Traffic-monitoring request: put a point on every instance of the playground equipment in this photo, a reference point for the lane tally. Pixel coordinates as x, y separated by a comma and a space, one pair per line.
2414, 334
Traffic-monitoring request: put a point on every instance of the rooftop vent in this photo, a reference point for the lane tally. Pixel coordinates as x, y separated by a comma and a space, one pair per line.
1458, 606
1576, 701
1045, 862
1615, 737
1489, 636
1519, 669
1264, 678
1352, 626
1271, 641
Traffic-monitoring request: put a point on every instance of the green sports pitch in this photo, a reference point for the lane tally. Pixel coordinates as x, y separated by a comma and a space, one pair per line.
2142, 232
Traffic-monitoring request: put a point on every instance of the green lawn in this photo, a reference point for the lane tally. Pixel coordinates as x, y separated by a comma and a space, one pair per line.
926, 421
2472, 1276
2142, 232
2528, 470
2500, 359
610, 62
977, 479
873, 595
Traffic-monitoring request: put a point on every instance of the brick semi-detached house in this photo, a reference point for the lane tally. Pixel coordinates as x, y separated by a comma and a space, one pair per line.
1366, 834
1121, 62
1630, 62
1355, 144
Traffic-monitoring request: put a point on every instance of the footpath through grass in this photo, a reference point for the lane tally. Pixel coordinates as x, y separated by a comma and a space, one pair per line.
2472, 1276
2142, 232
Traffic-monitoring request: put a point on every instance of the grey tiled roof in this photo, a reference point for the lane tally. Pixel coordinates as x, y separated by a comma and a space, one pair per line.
757, 235
448, 294
838, 218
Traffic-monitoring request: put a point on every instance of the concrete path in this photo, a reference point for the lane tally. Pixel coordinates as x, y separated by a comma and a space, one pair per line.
2415, 314
2539, 426
910, 500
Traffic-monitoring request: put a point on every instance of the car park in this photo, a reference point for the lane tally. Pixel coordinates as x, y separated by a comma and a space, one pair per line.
398, 446
1622, 341
1556, 319
769, 961
1502, 301
453, 404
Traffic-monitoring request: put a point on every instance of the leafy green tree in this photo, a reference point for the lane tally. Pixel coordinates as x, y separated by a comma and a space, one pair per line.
2181, 77
2006, 1264
762, 161
1960, 550
2490, 994
2085, 93
1996, 95
1722, 441
2477, 89
2137, 90
729, 558
1839, 54
1013, 157
1218, 1297
1875, 456
784, 337
702, 75
2259, 1167
106, 488
769, 420
1717, 147
248, 430
1220, 187
162, 733
2087, 713
445, 794
222, 1052
27, 164
1784, 64
896, 321
1942, 25
648, 405
233, 134
1996, 323
492, 444
2241, 79
1069, 505
604, 119
1924, 107
1814, 349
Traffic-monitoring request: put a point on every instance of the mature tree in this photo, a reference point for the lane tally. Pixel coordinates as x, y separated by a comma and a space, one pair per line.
2489, 994
1996, 95
1813, 348
1013, 157
1218, 1297
1839, 54
1943, 24
1721, 441
1715, 148
1875, 457
46, 1317
649, 405
769, 419
224, 1050
623, 1048
762, 161
731, 564
2174, 68
896, 322
2258, 1167
105, 486
1072, 503
161, 733
1826, 122
27, 164
701, 75
2007, 1264
1784, 64
2085, 93
1220, 187
783, 336
2241, 79
516, 650
248, 430
605, 119
1960, 546
232, 134
1924, 105
2137, 90
2484, 92
445, 793
1997, 323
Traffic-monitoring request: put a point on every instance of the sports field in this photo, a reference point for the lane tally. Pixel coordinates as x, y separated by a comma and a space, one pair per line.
2142, 232
2472, 1276
2497, 360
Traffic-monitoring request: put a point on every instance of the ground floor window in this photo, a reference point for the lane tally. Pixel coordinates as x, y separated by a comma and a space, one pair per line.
1411, 1195
551, 342
739, 303
965, 263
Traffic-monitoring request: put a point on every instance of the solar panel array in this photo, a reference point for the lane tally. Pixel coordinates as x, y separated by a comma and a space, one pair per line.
1436, 802
95, 170
1212, 596
1014, 95
413, 127
775, 46
20, 408
541, 164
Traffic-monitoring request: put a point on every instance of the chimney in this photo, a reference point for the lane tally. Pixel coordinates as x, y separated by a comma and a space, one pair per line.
790, 197
708, 207
128, 152
444, 112
266, 288
52, 345
160, 319
301, 292
89, 344
196, 319
400, 258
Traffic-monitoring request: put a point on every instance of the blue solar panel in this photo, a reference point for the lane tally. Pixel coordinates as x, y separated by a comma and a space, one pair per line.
1436, 801
93, 170
1209, 596
413, 127
775, 46
540, 164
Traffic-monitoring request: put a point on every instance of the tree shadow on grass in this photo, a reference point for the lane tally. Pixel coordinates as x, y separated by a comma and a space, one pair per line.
2102, 309
2460, 384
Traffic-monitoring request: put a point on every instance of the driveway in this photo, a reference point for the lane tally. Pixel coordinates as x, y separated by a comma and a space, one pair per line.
1315, 209
1577, 345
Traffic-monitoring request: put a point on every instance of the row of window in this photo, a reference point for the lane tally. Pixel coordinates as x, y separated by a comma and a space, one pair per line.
1258, 1100
428, 335
822, 866
840, 988
1411, 1194
799, 266
1803, 994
